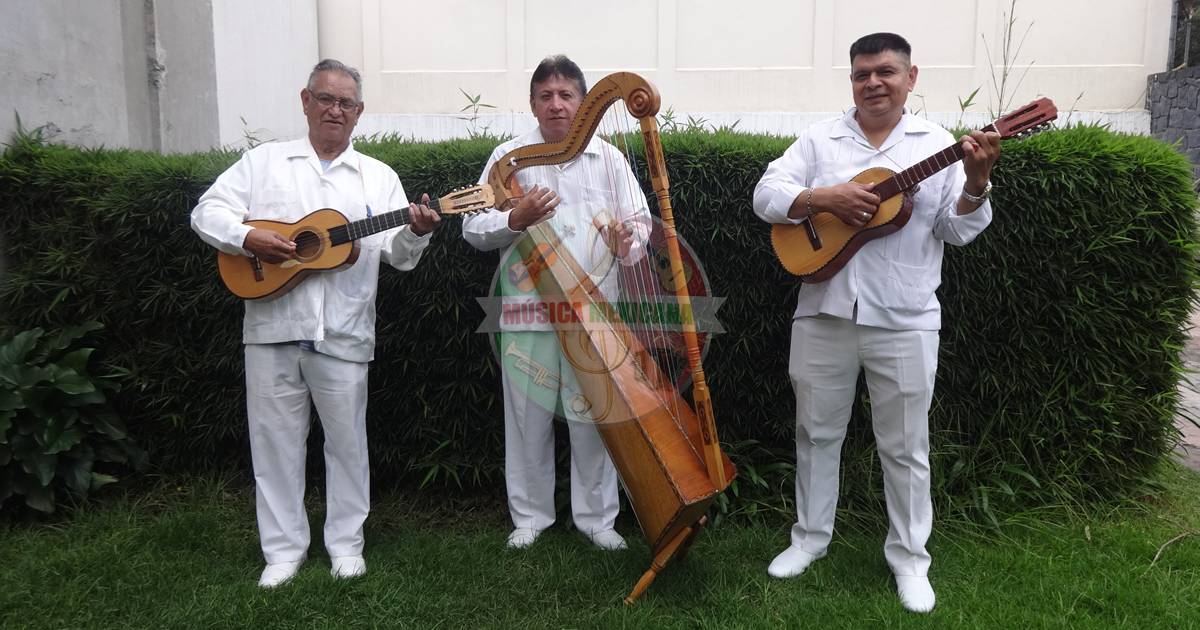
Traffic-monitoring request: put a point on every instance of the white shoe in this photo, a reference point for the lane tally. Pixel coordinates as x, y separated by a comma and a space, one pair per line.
916, 594
275, 574
791, 562
608, 540
522, 537
348, 567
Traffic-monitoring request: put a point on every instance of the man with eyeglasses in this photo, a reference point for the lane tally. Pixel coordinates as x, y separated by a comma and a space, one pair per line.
311, 346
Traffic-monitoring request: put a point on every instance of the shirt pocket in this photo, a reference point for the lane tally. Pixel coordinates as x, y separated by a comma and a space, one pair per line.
927, 200
906, 289
832, 173
594, 199
277, 204
351, 316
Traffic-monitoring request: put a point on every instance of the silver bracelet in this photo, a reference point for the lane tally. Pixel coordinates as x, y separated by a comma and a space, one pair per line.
978, 200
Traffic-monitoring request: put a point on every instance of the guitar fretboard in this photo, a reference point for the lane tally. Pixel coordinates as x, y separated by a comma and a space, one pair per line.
378, 223
919, 172
368, 226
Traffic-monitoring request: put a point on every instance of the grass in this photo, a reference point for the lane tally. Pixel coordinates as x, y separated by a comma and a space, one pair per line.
186, 555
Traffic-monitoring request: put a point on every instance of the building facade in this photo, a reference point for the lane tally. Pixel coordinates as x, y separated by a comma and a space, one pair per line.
173, 76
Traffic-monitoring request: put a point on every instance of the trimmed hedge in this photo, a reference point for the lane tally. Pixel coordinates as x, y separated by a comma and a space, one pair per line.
1063, 322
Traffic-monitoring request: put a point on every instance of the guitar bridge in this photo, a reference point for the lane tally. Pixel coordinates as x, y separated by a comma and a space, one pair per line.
256, 267
813, 237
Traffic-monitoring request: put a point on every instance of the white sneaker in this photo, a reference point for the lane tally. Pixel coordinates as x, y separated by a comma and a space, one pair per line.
348, 567
275, 574
608, 540
791, 562
916, 594
522, 537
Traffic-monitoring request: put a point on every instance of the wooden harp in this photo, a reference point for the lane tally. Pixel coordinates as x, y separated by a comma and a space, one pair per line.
665, 448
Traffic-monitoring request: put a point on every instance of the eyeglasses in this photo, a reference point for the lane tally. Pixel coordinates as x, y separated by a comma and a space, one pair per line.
328, 100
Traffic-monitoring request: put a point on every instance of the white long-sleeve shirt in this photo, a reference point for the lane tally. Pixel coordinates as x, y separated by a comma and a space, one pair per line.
891, 281
284, 182
596, 184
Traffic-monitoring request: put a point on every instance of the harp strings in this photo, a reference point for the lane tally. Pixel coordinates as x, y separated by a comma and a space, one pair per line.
640, 278
634, 285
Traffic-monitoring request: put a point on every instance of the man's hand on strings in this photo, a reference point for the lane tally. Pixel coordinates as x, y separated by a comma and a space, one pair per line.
537, 204
852, 202
617, 236
269, 246
424, 219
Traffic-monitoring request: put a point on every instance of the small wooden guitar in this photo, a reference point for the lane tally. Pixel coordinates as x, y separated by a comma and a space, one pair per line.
326, 241
818, 248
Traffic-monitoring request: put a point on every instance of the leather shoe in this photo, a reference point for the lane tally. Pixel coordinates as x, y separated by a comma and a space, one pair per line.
608, 540
347, 567
276, 574
791, 562
916, 594
522, 537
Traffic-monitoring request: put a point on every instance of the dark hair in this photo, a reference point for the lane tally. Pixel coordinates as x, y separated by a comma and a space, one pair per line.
876, 43
558, 65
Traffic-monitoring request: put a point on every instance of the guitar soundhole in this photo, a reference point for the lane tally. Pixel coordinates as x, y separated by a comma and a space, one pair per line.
308, 245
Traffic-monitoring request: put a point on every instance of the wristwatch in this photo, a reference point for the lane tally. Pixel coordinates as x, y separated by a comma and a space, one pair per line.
978, 200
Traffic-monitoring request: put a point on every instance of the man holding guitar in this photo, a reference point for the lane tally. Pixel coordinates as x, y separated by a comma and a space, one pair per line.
310, 345
879, 312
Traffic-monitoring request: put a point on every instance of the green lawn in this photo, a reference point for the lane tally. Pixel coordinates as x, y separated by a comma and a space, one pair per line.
186, 556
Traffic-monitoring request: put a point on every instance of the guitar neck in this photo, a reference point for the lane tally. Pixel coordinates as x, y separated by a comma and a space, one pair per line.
919, 172
365, 227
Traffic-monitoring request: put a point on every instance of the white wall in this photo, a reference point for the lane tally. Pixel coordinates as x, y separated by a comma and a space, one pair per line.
181, 75
785, 59
264, 51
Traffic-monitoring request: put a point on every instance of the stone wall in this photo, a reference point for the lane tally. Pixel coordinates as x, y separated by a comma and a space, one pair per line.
1173, 99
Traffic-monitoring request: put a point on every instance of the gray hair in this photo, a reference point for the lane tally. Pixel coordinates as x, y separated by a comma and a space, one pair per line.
333, 65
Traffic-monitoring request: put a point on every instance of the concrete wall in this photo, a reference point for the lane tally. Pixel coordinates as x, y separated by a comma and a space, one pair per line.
183, 80
68, 78
1174, 103
122, 73
165, 75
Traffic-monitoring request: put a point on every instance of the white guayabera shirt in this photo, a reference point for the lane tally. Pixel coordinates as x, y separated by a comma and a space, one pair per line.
285, 182
891, 281
599, 184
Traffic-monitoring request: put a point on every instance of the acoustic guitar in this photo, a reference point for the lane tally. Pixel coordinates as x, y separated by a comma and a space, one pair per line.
818, 248
326, 241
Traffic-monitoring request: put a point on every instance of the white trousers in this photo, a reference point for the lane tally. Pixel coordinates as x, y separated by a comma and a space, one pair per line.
826, 356
530, 400
281, 380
